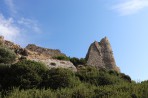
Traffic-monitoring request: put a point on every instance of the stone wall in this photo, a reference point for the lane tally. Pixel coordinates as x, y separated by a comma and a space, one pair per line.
100, 55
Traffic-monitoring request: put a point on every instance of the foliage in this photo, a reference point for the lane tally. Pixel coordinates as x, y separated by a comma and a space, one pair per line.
59, 78
24, 74
74, 60
125, 77
97, 77
30, 79
61, 58
85, 91
77, 61
6, 55
4, 73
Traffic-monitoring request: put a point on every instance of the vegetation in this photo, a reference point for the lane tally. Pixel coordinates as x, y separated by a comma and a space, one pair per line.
62, 58
30, 79
24, 74
74, 60
6, 55
77, 61
59, 78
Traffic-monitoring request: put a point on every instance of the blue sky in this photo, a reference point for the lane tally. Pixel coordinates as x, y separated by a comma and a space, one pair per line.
72, 25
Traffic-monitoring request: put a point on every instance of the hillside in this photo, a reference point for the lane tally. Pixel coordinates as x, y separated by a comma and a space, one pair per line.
37, 72
99, 54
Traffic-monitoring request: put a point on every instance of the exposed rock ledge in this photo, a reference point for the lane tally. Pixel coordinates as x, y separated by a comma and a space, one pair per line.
53, 63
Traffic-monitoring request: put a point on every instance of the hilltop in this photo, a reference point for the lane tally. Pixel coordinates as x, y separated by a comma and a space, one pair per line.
99, 55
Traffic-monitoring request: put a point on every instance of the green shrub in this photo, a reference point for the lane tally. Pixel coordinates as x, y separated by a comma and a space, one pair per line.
112, 72
38, 67
125, 77
6, 55
61, 58
97, 77
77, 61
82, 91
24, 74
60, 78
28, 74
87, 74
4, 74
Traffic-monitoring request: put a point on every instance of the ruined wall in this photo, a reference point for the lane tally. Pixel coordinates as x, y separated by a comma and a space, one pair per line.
100, 55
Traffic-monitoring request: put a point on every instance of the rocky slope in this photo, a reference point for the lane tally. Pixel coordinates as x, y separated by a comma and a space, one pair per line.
39, 54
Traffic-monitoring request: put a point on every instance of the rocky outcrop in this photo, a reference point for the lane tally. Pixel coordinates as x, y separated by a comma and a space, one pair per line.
53, 63
100, 55
2, 40
16, 48
39, 54
44, 51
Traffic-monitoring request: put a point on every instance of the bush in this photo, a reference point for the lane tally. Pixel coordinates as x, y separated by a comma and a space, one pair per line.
28, 73
82, 91
87, 73
105, 79
125, 77
97, 77
6, 55
112, 72
4, 73
61, 58
59, 78
77, 61
24, 74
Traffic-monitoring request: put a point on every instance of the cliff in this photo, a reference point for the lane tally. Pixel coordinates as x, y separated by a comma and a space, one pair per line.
100, 55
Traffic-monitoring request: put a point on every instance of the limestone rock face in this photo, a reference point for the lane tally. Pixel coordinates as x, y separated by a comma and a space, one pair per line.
53, 63
100, 55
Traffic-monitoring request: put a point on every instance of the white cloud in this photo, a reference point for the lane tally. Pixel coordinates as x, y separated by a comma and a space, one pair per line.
17, 28
11, 6
30, 24
128, 7
8, 29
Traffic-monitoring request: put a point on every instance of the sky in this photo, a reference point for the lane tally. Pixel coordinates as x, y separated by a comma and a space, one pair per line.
72, 25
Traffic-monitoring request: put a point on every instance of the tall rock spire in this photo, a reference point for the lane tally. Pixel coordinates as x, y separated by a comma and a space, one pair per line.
100, 55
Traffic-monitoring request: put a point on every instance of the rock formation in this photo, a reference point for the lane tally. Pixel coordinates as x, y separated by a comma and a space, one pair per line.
44, 51
53, 63
100, 55
39, 54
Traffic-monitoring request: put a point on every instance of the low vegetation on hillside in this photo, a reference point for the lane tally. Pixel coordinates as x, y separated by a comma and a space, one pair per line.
30, 79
